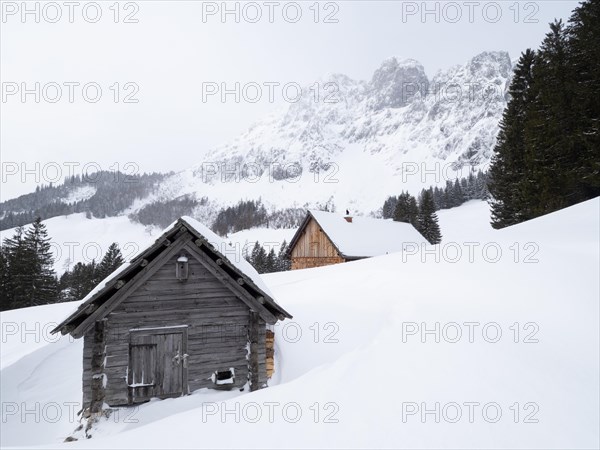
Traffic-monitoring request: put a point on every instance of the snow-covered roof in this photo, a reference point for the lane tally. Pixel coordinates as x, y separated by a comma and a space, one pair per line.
364, 236
228, 254
231, 252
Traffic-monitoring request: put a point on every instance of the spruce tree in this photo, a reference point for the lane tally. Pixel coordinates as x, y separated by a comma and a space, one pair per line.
458, 196
413, 211
112, 260
465, 189
77, 283
389, 207
19, 263
481, 191
438, 197
271, 262
508, 163
42, 284
448, 197
547, 153
406, 209
427, 219
401, 212
6, 297
283, 259
64, 287
258, 258
471, 190
583, 33
550, 144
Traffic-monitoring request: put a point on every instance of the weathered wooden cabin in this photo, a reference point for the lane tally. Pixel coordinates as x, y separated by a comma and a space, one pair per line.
186, 313
325, 238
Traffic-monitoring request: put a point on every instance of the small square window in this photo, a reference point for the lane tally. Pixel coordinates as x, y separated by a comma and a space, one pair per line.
221, 377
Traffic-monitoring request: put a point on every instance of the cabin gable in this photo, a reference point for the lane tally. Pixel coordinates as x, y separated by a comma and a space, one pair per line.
91, 312
313, 248
215, 319
180, 324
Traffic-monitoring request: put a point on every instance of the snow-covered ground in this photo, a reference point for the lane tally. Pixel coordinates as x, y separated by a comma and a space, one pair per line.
490, 340
77, 239
74, 238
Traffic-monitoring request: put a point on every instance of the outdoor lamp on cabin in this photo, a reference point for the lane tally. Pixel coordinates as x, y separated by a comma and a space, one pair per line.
181, 268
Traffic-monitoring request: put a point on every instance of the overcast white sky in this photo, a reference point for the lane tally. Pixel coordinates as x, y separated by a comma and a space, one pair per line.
175, 47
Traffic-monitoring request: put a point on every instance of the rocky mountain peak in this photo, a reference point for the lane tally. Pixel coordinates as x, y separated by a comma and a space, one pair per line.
490, 64
367, 133
396, 82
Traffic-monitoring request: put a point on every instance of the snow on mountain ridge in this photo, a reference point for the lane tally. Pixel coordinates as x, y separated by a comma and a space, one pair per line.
79, 194
348, 130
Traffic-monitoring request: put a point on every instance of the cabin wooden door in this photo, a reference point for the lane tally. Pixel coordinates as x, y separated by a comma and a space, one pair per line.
157, 363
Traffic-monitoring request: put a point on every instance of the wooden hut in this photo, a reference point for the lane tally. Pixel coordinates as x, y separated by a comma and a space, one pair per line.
326, 238
186, 313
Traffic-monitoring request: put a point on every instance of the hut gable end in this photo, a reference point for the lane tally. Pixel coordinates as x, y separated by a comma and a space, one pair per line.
312, 247
313, 242
186, 313
215, 319
203, 289
239, 275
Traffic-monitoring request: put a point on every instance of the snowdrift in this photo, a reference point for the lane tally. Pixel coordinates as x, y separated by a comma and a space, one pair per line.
488, 340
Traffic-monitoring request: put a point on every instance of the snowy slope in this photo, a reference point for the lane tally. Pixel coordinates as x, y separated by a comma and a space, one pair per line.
365, 367
77, 239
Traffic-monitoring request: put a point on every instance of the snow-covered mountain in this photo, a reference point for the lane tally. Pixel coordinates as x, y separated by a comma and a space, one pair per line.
347, 142
354, 140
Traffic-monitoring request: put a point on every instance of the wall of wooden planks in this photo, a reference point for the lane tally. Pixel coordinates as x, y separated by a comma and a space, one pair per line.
217, 334
270, 352
314, 249
307, 263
